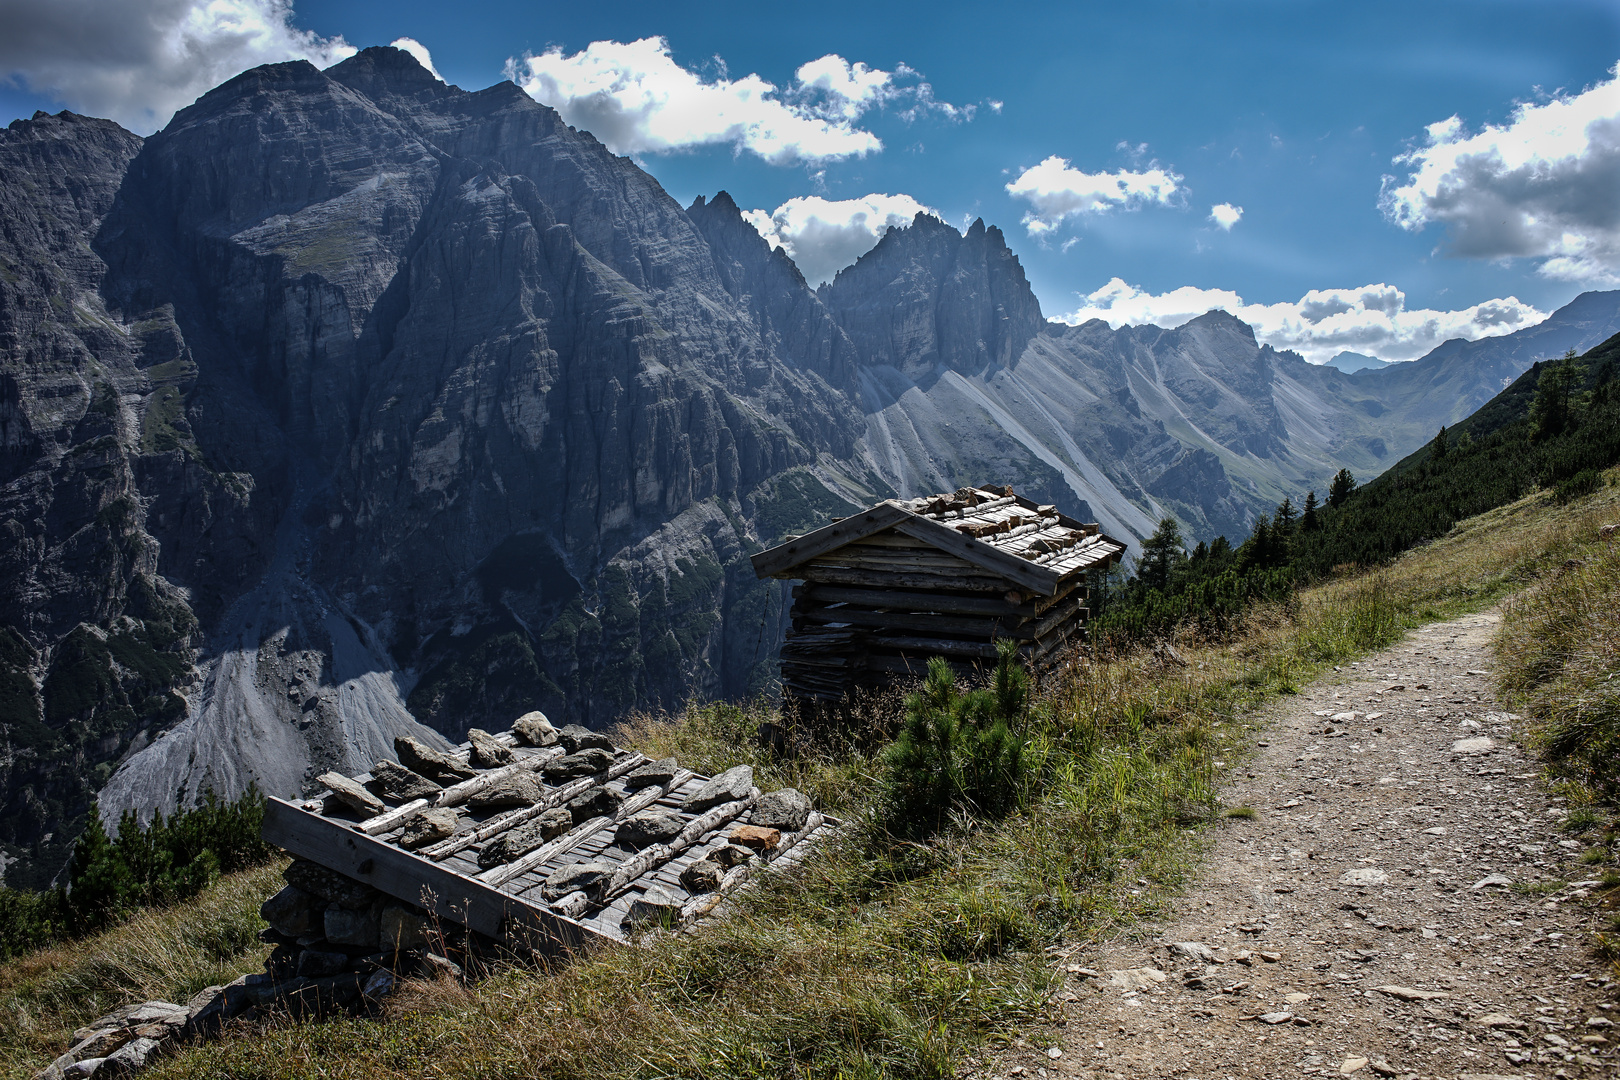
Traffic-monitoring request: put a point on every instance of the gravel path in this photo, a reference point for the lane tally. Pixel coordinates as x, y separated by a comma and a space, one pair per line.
1373, 918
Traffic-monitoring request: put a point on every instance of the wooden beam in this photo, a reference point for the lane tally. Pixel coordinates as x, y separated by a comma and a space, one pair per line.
413, 880
940, 624
839, 575
1012, 567
899, 600
773, 562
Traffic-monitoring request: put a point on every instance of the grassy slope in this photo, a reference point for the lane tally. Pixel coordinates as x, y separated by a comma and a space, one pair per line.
877, 959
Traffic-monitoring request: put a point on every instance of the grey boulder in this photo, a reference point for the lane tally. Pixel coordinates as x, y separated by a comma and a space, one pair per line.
485, 752
787, 810
597, 802
649, 827
428, 827
583, 875
584, 763
520, 789
654, 773
576, 738
533, 729
394, 782
419, 757
729, 786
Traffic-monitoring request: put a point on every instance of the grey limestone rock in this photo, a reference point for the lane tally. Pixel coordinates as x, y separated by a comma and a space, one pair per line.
401, 929
433, 764
597, 802
576, 738
572, 878
394, 782
735, 783
533, 729
519, 789
351, 794
292, 911
654, 773
132, 1057
349, 926
584, 763
428, 827
702, 876
652, 826
787, 809
522, 839
329, 885
484, 751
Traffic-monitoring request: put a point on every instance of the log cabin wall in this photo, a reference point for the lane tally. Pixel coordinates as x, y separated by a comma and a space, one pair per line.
945, 575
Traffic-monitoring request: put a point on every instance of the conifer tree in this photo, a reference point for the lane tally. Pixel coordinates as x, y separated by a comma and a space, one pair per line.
1344, 482
1308, 521
1441, 445
1286, 517
1559, 398
1162, 553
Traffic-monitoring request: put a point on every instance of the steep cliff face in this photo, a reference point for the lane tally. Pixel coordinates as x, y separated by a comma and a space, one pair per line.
353, 404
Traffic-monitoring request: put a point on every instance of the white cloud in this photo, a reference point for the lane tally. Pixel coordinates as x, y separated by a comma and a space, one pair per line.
139, 61
1056, 190
1373, 319
638, 100
418, 50
1544, 185
822, 237
1225, 215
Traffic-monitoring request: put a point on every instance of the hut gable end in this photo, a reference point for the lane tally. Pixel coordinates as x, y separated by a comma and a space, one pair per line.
943, 575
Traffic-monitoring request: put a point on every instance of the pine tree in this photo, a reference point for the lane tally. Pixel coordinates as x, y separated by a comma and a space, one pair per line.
1308, 521
1340, 488
101, 882
1285, 517
1559, 399
1162, 553
1441, 445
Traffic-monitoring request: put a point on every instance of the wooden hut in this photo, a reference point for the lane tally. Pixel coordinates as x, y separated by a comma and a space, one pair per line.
942, 575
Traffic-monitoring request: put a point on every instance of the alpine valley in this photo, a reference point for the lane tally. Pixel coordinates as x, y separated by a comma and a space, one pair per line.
353, 404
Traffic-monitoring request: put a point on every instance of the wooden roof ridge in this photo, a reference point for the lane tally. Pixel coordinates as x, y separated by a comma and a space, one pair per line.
952, 523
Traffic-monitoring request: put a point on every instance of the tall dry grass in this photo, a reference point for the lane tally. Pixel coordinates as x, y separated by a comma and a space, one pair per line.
166, 954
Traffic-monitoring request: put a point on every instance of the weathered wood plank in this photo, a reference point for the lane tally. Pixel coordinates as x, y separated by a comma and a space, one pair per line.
500, 875
511, 819
576, 903
774, 561
391, 819
944, 624
414, 880
981, 554
928, 646
974, 583
902, 600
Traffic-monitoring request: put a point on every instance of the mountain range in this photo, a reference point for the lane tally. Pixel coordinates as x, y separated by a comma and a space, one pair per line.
352, 404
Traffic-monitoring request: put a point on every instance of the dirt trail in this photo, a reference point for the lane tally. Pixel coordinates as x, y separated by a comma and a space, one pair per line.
1399, 773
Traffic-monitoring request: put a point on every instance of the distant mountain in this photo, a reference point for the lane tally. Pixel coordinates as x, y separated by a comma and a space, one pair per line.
961, 376
1349, 362
353, 404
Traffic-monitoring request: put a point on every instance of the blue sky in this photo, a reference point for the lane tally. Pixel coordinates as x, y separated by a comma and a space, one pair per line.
1293, 112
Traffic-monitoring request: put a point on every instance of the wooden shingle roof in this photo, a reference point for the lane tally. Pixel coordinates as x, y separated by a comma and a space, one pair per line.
991, 528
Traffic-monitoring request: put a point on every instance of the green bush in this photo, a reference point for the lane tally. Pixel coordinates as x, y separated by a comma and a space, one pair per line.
959, 753
110, 877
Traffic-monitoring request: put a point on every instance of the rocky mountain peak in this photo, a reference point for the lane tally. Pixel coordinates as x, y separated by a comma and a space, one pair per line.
929, 298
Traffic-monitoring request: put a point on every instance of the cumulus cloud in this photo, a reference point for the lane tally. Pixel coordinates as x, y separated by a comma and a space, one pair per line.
1372, 319
638, 100
1225, 215
138, 61
418, 50
822, 236
1057, 190
1545, 185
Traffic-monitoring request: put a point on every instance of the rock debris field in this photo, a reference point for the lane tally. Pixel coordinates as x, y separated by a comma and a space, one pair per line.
1393, 909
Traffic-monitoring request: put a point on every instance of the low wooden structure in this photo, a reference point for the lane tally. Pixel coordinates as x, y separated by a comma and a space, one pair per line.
942, 575
475, 873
